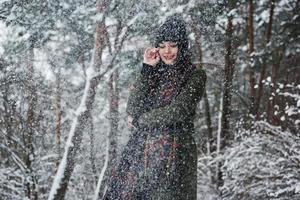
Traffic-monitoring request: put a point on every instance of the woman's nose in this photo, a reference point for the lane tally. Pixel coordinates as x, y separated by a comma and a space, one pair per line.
168, 49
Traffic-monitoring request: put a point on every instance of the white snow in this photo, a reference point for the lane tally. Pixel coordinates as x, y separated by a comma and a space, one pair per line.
264, 16
110, 21
221, 24
41, 64
244, 48
291, 111
62, 166
63, 162
243, 66
219, 128
100, 179
297, 188
287, 94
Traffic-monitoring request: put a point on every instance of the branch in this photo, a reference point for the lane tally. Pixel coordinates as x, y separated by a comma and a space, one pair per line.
96, 195
16, 159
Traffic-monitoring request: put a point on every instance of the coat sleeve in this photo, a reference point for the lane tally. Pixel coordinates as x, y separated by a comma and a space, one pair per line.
136, 103
181, 107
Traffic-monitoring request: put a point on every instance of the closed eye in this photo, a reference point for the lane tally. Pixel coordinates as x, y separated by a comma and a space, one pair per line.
172, 45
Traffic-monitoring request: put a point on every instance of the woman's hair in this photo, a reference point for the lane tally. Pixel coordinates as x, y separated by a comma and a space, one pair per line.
174, 30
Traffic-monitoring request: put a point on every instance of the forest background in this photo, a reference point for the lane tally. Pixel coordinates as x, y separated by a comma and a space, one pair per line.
65, 71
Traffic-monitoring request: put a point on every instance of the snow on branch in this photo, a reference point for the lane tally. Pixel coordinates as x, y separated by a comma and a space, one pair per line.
62, 166
96, 195
262, 164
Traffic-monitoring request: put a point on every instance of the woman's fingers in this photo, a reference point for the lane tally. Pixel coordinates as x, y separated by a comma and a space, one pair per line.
151, 52
129, 122
147, 52
151, 56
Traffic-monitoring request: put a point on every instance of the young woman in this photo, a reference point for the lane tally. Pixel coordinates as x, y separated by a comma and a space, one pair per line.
160, 158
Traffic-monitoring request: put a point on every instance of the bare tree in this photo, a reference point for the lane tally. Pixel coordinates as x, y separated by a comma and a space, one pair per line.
83, 113
227, 87
250, 35
197, 33
80, 122
272, 97
31, 182
264, 64
58, 112
225, 133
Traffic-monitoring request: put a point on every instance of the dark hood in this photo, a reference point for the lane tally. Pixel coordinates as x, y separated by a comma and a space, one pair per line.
174, 30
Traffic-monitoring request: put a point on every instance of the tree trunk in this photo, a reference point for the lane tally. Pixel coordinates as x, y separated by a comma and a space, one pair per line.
7, 110
114, 118
210, 138
92, 149
227, 93
58, 114
264, 67
210, 142
101, 32
81, 121
31, 188
197, 40
67, 164
251, 50
272, 96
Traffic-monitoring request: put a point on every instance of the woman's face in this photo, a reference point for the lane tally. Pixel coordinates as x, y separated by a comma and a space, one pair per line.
168, 52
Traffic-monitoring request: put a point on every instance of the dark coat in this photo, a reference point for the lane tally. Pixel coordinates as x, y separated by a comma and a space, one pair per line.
160, 158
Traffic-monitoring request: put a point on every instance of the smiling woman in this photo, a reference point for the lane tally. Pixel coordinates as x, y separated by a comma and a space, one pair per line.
168, 52
159, 161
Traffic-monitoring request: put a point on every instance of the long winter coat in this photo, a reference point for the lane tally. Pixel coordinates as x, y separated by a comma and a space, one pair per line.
159, 160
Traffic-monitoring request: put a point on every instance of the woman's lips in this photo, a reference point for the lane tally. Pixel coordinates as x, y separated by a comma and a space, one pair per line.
169, 57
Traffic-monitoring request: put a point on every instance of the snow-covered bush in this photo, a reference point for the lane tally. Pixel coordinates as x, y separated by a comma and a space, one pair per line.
206, 171
263, 164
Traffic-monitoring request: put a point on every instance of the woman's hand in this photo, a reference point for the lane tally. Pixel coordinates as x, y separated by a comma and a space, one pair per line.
129, 122
151, 56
